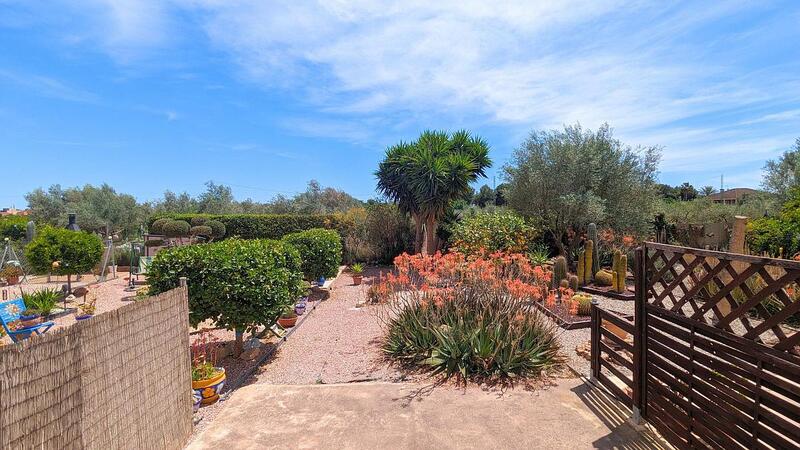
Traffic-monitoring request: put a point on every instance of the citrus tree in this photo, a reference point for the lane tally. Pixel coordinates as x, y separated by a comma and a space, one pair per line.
64, 252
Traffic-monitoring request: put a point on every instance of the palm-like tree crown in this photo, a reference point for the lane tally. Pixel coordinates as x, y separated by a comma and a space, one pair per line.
424, 176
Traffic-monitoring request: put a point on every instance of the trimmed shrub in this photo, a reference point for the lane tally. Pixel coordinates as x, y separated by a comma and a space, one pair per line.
176, 228
73, 252
265, 226
200, 230
197, 221
13, 227
491, 232
236, 283
217, 229
157, 226
320, 250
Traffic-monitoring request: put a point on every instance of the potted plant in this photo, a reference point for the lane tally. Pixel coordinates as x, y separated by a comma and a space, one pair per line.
207, 379
300, 306
29, 318
357, 270
11, 274
288, 319
87, 309
43, 300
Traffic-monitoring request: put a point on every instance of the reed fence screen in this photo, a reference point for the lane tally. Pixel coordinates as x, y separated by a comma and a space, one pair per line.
119, 380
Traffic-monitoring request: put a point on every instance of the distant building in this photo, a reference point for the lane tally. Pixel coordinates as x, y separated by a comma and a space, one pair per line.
732, 196
14, 212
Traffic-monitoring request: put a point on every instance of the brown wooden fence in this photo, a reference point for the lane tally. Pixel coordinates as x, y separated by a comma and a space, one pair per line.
119, 380
715, 355
612, 353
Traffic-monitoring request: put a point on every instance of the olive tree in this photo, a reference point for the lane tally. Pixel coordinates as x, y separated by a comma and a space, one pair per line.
565, 179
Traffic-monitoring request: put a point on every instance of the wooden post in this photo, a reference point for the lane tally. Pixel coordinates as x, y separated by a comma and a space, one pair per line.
182, 281
595, 350
640, 336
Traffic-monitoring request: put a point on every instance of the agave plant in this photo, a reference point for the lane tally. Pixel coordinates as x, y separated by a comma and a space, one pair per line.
43, 300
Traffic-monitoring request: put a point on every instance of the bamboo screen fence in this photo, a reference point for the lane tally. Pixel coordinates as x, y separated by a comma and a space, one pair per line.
119, 380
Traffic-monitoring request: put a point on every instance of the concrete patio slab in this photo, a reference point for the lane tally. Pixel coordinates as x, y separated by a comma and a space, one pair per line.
571, 415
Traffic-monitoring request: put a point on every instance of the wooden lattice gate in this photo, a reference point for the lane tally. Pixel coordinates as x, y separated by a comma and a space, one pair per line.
716, 348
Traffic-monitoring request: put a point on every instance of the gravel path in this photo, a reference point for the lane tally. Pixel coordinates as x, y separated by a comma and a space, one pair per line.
339, 343
109, 296
572, 338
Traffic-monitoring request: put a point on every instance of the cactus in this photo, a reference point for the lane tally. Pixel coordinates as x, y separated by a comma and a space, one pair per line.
559, 271
564, 284
619, 271
604, 278
584, 304
591, 233
573, 282
30, 231
588, 262
622, 272
582, 267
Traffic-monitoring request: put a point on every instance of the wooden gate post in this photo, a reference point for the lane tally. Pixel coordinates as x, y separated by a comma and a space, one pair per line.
595, 349
640, 336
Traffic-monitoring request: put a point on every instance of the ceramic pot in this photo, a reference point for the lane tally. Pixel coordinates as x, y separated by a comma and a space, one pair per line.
357, 279
84, 316
321, 281
299, 309
209, 389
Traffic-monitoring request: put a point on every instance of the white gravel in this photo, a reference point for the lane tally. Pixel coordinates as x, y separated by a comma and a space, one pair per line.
339, 342
572, 338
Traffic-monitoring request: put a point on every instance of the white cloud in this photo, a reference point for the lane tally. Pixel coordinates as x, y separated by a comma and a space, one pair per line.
658, 72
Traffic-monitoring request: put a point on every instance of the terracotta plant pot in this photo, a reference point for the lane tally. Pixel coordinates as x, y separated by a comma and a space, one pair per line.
357, 279
209, 389
12, 280
287, 322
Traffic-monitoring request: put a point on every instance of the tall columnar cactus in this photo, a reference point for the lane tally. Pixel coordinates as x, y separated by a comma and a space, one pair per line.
559, 271
30, 231
591, 233
585, 258
588, 262
619, 269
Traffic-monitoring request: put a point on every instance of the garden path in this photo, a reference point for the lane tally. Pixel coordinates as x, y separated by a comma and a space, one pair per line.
339, 343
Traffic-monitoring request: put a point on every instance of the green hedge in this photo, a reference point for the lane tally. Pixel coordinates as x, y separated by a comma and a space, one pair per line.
263, 226
320, 251
236, 283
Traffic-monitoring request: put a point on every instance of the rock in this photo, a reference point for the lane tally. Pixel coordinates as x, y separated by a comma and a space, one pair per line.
250, 354
252, 343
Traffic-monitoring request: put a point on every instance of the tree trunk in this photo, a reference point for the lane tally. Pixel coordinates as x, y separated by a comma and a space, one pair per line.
69, 284
418, 233
238, 346
431, 244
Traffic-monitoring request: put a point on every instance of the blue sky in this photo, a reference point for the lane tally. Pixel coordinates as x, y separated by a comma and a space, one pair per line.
263, 96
